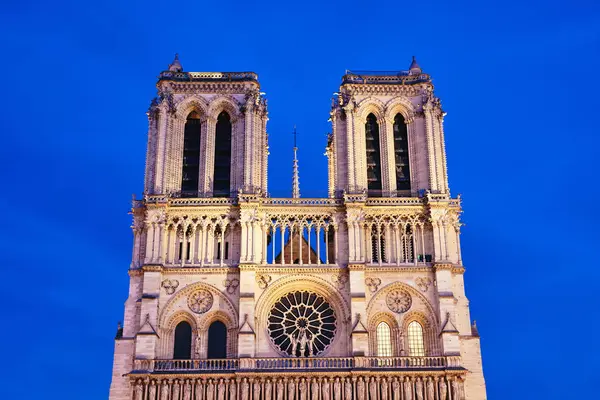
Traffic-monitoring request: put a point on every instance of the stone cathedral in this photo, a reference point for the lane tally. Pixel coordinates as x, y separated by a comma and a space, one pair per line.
236, 295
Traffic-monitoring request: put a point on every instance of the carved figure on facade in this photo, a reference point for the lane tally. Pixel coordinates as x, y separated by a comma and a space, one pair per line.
187, 390
176, 389
152, 390
373, 388
291, 389
456, 390
232, 390
268, 389
210, 390
325, 389
139, 389
256, 389
245, 389
337, 389
443, 389
419, 389
200, 301
231, 285
396, 388
373, 284
399, 301
170, 285
315, 388
199, 391
408, 389
384, 389
430, 389
348, 389
280, 389
221, 390
360, 389
302, 389
164, 390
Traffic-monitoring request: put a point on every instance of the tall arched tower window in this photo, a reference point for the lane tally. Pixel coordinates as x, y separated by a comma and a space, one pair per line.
384, 340
401, 153
183, 341
416, 344
222, 171
217, 340
191, 156
373, 156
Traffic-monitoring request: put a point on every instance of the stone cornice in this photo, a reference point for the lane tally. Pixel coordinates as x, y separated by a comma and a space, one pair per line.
297, 269
202, 270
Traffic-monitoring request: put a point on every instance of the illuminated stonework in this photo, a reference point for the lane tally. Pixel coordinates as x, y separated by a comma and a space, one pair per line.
302, 324
236, 295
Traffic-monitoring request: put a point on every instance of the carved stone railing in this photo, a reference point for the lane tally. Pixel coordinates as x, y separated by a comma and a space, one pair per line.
302, 201
394, 201
203, 201
309, 363
389, 77
209, 76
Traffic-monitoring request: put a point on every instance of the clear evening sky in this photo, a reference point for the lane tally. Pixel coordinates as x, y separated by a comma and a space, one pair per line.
519, 80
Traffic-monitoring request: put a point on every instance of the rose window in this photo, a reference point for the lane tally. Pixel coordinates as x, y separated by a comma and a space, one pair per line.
200, 301
302, 324
398, 301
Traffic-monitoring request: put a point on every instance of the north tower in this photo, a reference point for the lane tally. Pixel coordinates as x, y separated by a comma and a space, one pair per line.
238, 295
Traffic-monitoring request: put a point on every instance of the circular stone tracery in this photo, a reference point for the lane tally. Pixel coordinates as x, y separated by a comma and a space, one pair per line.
301, 324
398, 301
200, 301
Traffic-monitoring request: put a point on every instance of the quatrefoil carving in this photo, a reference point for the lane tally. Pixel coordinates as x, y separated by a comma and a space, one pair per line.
340, 280
231, 285
263, 281
170, 285
373, 284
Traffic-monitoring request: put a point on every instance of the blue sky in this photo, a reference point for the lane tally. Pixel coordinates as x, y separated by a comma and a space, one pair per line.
519, 81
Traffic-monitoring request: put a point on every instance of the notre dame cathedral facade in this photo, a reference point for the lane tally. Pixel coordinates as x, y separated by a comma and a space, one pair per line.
235, 295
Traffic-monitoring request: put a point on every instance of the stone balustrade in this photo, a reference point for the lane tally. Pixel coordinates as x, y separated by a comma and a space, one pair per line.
308, 363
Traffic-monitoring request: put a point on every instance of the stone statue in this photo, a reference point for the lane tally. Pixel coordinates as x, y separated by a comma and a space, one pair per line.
443, 389
164, 390
268, 389
314, 389
325, 389
302, 389
256, 390
384, 389
396, 389
152, 391
187, 391
373, 389
291, 390
456, 395
176, 390
232, 391
419, 389
360, 388
430, 390
139, 390
408, 393
337, 389
210, 390
245, 389
199, 390
197, 346
280, 389
348, 389
221, 390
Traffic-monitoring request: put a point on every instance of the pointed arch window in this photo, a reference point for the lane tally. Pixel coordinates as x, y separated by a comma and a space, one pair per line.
183, 341
373, 156
217, 340
384, 340
191, 156
401, 153
416, 344
222, 170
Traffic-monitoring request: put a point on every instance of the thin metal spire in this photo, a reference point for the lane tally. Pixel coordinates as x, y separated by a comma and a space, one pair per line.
295, 177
